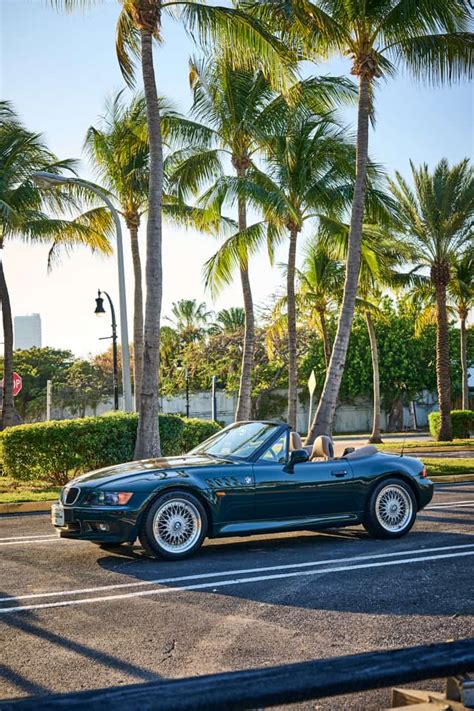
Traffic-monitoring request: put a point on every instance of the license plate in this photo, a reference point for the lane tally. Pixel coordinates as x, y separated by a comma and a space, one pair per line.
57, 515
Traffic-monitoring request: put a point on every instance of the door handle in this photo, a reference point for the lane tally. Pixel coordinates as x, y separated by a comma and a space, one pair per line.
339, 473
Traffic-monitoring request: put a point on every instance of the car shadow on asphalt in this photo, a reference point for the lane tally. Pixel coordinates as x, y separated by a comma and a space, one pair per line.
362, 586
26, 622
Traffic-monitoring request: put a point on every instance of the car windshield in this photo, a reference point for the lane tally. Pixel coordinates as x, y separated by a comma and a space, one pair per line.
240, 440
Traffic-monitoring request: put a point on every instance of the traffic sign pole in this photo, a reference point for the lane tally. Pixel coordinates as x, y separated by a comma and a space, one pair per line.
311, 388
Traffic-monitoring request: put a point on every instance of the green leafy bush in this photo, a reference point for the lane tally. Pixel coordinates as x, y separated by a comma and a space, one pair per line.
462, 420
55, 451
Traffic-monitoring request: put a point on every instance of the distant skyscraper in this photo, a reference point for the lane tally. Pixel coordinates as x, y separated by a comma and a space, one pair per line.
27, 332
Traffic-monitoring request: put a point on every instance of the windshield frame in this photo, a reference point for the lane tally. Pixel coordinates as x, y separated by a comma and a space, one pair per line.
280, 427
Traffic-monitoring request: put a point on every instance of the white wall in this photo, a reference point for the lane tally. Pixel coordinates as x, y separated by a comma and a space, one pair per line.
354, 417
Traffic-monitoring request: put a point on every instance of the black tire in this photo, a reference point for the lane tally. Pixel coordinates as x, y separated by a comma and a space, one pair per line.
188, 512
388, 493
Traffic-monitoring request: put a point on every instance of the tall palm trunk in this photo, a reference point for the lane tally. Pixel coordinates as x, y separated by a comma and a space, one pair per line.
324, 417
291, 309
133, 222
325, 335
244, 402
375, 437
443, 378
9, 417
148, 435
464, 371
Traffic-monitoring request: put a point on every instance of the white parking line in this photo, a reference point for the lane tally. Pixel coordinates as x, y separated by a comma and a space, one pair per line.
53, 539
235, 581
238, 581
33, 535
454, 505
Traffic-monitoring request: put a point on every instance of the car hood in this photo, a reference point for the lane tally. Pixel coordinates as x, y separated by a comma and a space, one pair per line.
149, 467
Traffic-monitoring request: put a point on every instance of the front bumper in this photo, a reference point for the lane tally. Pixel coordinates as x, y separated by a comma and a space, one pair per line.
100, 524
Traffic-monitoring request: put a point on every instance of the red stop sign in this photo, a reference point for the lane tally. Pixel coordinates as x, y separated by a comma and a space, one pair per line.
17, 384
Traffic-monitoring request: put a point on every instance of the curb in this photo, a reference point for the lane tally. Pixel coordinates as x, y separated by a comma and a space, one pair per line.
452, 478
38, 506
26, 507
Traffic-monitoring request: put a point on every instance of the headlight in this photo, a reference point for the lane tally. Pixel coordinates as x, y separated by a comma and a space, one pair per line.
108, 498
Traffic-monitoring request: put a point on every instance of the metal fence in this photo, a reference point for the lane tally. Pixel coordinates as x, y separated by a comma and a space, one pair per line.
258, 688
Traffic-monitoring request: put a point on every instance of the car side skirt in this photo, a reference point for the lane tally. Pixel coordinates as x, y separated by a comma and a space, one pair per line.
252, 528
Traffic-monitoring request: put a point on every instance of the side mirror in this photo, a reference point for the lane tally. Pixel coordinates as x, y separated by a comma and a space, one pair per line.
297, 456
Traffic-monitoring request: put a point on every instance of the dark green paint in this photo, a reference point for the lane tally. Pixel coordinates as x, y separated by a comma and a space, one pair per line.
242, 497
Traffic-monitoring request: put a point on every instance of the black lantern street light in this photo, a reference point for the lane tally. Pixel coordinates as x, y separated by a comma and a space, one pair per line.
179, 365
99, 311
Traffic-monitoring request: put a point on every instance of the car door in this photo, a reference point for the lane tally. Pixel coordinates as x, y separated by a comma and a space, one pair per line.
312, 489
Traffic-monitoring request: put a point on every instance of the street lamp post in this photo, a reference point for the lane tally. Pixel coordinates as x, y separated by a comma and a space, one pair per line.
51, 179
99, 309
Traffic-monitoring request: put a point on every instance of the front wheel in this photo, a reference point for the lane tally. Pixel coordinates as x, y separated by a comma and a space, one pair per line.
174, 526
391, 510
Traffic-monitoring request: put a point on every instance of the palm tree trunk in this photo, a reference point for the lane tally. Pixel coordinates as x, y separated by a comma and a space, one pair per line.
137, 310
324, 417
9, 416
375, 437
324, 332
291, 309
443, 378
464, 371
148, 435
244, 401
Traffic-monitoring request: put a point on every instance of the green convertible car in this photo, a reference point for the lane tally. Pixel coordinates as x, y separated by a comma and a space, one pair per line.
249, 478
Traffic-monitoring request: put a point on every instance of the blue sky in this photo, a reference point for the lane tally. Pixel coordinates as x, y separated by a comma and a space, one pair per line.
58, 69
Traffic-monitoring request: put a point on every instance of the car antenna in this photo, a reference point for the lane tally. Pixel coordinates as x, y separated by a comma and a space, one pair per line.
403, 446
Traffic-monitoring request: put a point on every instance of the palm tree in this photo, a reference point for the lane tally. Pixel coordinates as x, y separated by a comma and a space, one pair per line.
308, 173
231, 104
24, 214
190, 319
429, 39
381, 254
319, 290
119, 150
140, 22
437, 219
243, 112
231, 320
461, 293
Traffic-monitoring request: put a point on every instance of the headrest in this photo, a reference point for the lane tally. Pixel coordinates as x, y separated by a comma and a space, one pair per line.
365, 451
295, 441
322, 447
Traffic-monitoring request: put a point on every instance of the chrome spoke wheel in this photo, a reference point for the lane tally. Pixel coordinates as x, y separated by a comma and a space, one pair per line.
177, 525
393, 508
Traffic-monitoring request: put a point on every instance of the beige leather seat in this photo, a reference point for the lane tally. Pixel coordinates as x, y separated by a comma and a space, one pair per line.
323, 449
297, 443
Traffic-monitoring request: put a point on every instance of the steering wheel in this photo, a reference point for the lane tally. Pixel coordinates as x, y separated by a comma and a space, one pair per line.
274, 455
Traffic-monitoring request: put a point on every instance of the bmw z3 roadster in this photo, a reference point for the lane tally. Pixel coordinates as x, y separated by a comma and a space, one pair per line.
249, 478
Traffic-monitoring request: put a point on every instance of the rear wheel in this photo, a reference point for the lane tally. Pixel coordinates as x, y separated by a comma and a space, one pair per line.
391, 510
174, 526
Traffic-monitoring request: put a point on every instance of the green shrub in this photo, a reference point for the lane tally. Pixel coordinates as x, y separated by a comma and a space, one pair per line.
55, 451
462, 421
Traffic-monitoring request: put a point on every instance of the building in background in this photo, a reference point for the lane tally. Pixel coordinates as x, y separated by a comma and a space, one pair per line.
27, 332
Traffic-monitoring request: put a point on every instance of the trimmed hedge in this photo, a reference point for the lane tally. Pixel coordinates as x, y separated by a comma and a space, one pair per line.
54, 451
462, 421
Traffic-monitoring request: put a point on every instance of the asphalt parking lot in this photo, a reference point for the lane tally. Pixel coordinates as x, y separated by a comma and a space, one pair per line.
74, 616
